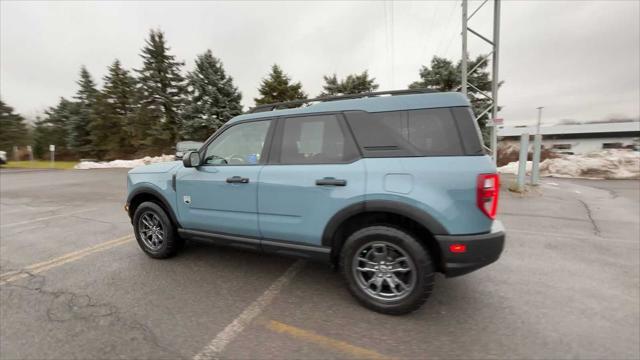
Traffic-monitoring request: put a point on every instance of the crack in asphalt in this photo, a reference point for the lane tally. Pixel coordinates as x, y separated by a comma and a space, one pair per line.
24, 229
543, 216
612, 193
67, 306
596, 229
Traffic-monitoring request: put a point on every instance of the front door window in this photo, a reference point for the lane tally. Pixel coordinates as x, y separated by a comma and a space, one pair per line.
241, 144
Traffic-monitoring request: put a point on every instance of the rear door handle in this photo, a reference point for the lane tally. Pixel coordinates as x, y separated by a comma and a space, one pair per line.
238, 180
331, 182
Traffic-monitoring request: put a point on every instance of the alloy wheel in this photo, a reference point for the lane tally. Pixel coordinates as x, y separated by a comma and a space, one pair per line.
151, 230
384, 271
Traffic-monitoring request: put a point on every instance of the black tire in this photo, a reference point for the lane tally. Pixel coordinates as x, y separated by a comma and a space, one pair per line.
424, 275
170, 243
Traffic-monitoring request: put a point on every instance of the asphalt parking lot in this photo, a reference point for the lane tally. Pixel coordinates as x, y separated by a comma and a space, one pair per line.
73, 284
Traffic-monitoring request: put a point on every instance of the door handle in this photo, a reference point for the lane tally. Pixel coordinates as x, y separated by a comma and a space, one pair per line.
238, 180
331, 181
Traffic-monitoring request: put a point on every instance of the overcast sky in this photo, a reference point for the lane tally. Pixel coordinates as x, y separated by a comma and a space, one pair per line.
579, 59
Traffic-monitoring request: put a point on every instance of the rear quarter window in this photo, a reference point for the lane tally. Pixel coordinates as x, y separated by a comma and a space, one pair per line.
469, 130
424, 132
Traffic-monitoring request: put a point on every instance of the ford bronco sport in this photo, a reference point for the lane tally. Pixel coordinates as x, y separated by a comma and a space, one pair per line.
391, 189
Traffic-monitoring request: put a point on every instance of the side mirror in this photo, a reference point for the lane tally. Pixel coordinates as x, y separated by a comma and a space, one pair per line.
191, 159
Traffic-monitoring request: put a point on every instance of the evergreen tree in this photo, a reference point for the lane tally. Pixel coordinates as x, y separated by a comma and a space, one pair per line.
162, 90
113, 129
352, 84
277, 87
53, 129
213, 99
13, 130
443, 75
78, 128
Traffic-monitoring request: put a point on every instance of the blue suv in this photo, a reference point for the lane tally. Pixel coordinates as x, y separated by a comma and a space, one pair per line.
389, 187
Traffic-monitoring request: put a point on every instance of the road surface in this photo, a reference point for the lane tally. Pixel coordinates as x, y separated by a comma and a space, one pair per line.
73, 284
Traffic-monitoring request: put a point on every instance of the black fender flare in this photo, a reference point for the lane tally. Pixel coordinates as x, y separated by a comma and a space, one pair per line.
146, 190
390, 206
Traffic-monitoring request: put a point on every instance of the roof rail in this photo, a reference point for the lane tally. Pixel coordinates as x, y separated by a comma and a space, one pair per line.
297, 103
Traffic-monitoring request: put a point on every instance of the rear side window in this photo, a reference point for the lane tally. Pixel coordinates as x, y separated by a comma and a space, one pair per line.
315, 140
425, 132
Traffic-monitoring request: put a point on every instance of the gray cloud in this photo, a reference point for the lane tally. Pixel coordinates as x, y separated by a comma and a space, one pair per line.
579, 59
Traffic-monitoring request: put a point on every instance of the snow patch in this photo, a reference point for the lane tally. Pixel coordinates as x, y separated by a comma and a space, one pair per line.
606, 164
124, 163
512, 168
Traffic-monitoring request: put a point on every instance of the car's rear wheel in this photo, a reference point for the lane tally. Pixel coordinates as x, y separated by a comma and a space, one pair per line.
155, 233
387, 269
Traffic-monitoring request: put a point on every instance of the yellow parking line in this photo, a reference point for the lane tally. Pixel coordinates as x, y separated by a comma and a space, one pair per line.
61, 260
324, 341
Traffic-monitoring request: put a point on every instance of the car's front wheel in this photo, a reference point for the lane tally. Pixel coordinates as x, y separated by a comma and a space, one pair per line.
387, 269
155, 233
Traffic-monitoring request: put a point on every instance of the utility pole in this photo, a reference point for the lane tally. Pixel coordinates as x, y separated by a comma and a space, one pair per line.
464, 47
52, 151
522, 161
494, 79
539, 118
537, 149
492, 109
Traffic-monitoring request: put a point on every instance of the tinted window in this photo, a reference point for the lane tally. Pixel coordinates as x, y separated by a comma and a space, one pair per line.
617, 145
238, 145
469, 130
406, 133
434, 132
315, 140
564, 146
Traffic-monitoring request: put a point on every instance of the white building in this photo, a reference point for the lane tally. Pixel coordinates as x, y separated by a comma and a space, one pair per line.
577, 139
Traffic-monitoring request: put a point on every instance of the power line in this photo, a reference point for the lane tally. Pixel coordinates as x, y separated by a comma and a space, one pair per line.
453, 34
453, 8
393, 52
386, 29
431, 20
389, 39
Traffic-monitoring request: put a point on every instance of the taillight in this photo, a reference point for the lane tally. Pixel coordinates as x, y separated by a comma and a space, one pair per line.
458, 248
487, 194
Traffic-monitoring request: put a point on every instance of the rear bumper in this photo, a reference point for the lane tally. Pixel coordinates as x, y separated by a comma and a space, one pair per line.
482, 250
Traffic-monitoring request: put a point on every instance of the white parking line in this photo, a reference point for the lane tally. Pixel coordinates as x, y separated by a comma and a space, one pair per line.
46, 218
214, 349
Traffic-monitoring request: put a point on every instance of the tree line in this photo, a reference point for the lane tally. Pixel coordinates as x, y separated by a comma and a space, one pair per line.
146, 111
